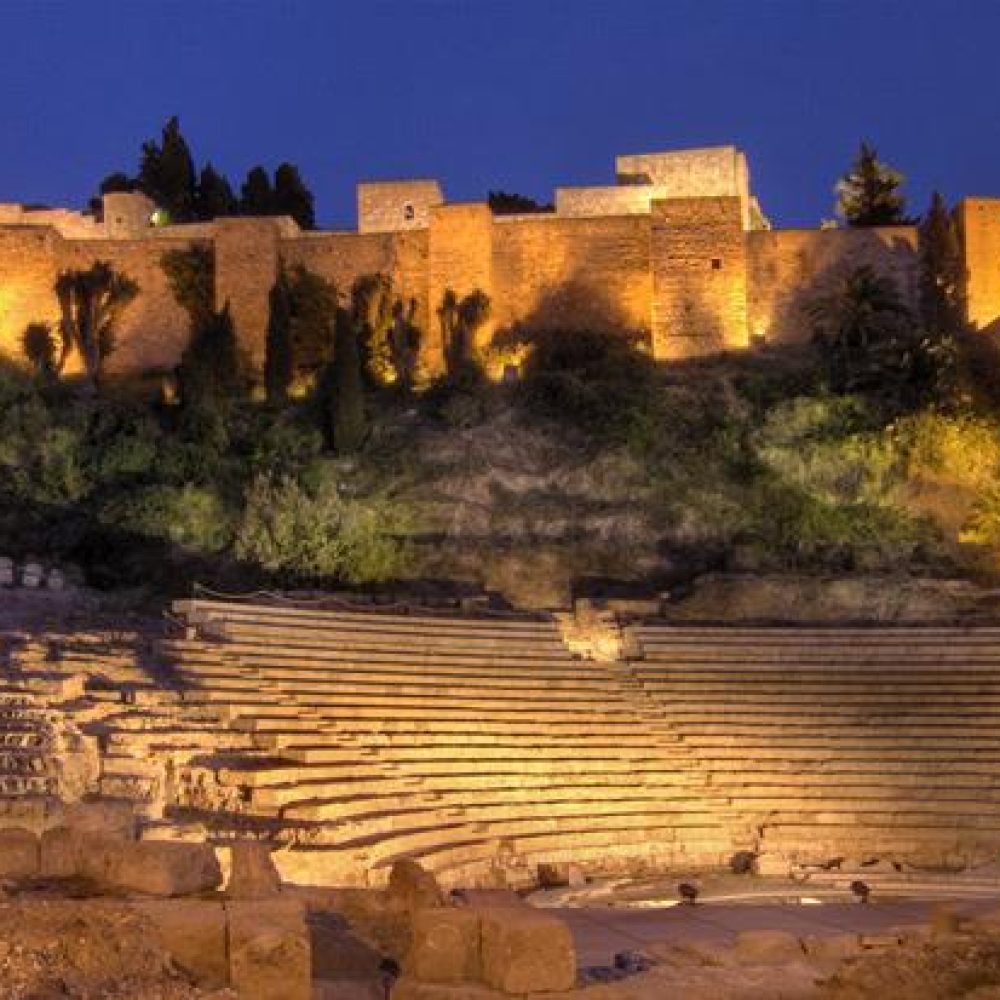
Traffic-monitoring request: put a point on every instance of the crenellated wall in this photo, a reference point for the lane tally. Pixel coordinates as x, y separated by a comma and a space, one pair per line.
688, 269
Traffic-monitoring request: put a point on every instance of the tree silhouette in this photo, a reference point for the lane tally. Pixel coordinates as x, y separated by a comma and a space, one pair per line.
941, 271
91, 303
167, 174
279, 364
870, 193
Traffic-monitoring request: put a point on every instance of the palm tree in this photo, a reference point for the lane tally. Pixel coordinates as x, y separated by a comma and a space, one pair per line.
91, 303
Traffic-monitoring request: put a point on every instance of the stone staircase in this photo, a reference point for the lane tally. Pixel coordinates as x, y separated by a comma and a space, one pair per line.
839, 742
470, 744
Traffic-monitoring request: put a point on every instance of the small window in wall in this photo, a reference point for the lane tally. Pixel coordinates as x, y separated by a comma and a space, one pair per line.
716, 263
408, 212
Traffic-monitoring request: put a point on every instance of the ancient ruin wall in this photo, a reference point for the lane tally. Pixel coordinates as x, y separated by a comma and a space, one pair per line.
29, 265
979, 225
567, 273
699, 263
394, 206
789, 269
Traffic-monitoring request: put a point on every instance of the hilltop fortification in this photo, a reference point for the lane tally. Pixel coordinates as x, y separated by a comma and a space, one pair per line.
677, 249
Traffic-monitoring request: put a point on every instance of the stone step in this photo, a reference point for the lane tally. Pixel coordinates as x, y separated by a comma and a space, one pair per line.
383, 618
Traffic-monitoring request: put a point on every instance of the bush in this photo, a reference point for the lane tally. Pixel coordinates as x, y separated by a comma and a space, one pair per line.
595, 382
192, 517
286, 529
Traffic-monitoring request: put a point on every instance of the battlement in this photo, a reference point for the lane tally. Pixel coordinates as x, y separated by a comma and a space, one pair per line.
677, 250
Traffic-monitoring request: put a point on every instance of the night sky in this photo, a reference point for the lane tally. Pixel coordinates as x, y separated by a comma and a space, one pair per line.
494, 94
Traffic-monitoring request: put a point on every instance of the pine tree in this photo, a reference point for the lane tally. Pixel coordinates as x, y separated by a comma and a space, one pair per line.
941, 271
278, 359
257, 195
870, 193
292, 197
167, 174
347, 405
214, 196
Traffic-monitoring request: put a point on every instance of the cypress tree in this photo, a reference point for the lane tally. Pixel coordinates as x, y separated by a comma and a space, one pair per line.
278, 359
292, 197
347, 406
256, 195
209, 368
870, 193
167, 174
215, 198
941, 270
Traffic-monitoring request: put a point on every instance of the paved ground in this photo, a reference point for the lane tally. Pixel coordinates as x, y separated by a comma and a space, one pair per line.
600, 932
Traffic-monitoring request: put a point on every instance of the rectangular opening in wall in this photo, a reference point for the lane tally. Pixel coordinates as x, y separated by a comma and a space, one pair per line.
716, 263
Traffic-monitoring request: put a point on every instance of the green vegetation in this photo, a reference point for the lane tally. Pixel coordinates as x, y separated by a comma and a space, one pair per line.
870, 194
168, 175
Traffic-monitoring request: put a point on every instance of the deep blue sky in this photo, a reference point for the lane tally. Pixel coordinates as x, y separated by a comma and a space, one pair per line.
496, 93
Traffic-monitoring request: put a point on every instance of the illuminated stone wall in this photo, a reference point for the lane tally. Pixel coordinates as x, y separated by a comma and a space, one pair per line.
699, 261
788, 269
551, 272
979, 224
392, 206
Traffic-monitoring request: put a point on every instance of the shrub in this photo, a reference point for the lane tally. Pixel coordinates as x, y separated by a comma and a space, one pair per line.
286, 529
191, 517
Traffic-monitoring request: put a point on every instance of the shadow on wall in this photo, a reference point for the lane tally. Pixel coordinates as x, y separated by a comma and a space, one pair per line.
812, 267
575, 304
692, 328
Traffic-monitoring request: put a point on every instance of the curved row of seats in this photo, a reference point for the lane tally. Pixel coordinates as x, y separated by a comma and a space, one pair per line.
838, 742
463, 742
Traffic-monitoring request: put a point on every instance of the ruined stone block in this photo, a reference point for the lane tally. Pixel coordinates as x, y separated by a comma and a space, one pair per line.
412, 888
19, 854
252, 873
444, 947
524, 951
408, 988
61, 852
269, 951
155, 868
194, 932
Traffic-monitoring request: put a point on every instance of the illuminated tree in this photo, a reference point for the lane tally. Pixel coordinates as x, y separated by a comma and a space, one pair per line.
279, 365
870, 193
941, 270
292, 197
461, 320
91, 303
167, 174
371, 313
404, 342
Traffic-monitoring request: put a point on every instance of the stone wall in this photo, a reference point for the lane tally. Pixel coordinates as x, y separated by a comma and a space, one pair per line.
626, 199
979, 223
699, 261
790, 268
459, 258
553, 272
392, 206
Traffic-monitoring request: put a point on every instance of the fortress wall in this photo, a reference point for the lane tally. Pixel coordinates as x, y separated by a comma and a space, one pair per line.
979, 226
627, 199
341, 258
790, 268
393, 206
246, 266
29, 265
699, 263
154, 328
551, 272
459, 258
